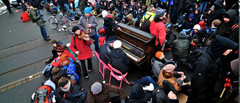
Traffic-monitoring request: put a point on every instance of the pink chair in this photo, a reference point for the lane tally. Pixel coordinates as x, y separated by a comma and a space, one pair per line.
119, 78
102, 71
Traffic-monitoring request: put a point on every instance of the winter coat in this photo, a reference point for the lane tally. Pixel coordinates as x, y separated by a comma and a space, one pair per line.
74, 95
207, 68
138, 95
35, 17
158, 64
180, 48
225, 29
71, 71
171, 79
104, 96
91, 20
82, 46
109, 24
119, 60
170, 37
104, 53
189, 24
158, 29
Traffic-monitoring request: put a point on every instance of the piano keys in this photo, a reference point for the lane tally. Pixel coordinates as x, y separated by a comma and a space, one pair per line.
138, 45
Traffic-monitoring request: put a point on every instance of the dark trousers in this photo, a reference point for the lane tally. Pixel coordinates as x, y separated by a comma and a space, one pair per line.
115, 99
6, 2
96, 42
43, 32
73, 5
84, 68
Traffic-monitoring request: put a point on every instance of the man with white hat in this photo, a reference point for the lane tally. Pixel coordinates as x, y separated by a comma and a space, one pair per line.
118, 59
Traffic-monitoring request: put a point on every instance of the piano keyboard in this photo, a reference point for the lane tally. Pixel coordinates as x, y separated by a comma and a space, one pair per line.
131, 55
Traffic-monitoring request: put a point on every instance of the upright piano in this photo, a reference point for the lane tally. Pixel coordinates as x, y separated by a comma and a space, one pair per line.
137, 44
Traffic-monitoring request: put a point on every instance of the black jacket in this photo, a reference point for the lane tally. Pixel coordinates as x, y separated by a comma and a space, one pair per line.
180, 48
138, 95
206, 70
104, 53
76, 95
226, 29
109, 25
170, 37
119, 60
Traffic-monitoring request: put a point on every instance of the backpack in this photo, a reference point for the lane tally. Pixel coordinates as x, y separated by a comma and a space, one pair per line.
25, 17
146, 24
44, 94
193, 56
47, 71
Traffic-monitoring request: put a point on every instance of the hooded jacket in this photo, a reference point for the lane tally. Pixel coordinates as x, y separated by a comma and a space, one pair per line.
104, 52
158, 29
180, 47
138, 95
226, 30
205, 73
75, 95
109, 24
119, 60
91, 20
71, 70
104, 96
189, 24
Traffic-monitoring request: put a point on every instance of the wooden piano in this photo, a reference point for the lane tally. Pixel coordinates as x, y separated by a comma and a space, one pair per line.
137, 44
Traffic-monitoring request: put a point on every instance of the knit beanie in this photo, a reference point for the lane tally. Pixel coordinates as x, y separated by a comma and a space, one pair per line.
75, 28
202, 24
160, 12
96, 88
60, 49
104, 13
117, 44
158, 54
64, 57
87, 10
169, 68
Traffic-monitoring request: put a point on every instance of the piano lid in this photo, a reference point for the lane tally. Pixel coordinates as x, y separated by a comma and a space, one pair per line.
138, 33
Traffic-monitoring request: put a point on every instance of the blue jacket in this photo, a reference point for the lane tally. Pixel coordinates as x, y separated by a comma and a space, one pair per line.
71, 70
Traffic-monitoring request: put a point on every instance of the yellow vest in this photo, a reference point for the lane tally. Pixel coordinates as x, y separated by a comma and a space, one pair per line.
147, 15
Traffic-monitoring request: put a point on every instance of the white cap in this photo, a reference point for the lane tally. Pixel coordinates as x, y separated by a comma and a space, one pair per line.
197, 27
117, 44
104, 13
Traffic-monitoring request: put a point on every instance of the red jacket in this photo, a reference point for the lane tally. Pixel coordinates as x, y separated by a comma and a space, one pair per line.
83, 47
58, 63
159, 30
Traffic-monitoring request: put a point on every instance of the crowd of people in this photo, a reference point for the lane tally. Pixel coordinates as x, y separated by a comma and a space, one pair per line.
201, 35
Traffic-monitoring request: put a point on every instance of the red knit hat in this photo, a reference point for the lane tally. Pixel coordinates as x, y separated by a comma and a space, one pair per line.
158, 54
60, 49
202, 24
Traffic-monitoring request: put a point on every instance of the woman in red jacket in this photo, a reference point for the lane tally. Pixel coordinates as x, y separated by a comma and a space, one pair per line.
82, 49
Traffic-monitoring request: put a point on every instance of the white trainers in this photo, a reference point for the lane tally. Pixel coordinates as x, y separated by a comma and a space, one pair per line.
149, 88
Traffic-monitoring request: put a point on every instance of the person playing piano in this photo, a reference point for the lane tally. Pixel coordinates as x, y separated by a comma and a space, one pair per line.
118, 58
105, 50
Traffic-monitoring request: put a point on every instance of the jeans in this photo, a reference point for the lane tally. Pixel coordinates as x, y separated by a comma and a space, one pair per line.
43, 32
66, 7
146, 81
40, 13
202, 7
180, 18
96, 42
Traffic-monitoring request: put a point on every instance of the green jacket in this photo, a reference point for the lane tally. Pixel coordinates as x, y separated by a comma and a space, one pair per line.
147, 15
35, 17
